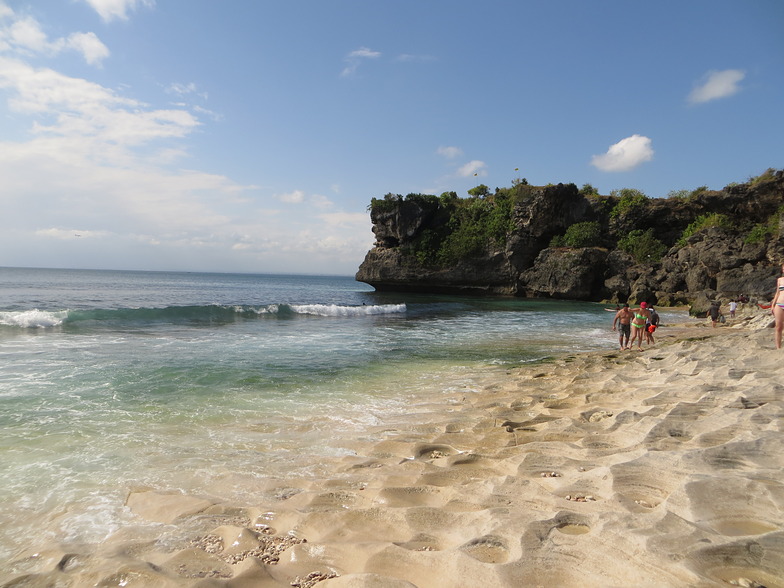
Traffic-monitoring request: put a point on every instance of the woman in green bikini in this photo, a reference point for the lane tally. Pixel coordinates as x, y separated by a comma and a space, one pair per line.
641, 316
777, 308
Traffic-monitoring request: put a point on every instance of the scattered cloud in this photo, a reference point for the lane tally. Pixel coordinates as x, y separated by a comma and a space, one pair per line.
25, 36
185, 89
317, 201
473, 168
181, 89
717, 84
294, 197
90, 46
321, 202
110, 10
449, 152
355, 58
624, 155
338, 219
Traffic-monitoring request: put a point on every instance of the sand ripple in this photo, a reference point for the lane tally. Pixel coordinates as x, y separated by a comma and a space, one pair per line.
661, 468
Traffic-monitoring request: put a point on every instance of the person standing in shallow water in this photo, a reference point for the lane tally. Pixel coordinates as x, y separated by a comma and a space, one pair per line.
623, 317
777, 309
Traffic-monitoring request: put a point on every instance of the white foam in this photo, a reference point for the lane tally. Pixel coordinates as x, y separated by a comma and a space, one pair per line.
337, 310
33, 319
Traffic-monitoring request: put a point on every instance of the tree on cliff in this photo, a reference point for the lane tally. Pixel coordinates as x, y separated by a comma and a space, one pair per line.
479, 191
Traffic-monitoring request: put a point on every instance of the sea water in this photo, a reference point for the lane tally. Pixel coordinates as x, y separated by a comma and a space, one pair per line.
208, 383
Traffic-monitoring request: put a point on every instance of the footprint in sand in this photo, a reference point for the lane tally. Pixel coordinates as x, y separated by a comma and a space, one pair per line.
487, 549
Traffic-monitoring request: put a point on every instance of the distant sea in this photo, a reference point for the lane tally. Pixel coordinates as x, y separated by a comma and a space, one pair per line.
112, 381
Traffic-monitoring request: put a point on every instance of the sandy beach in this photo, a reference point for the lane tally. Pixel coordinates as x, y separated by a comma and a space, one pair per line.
614, 468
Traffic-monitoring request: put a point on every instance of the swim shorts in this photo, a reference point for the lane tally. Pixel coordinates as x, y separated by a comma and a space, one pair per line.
626, 330
651, 328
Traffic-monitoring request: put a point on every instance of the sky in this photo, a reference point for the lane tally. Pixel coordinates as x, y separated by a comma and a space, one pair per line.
246, 136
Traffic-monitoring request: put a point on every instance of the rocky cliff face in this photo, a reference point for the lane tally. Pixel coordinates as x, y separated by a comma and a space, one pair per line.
718, 262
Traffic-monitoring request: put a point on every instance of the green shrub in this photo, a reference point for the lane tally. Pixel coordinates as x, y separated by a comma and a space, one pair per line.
423, 200
697, 191
628, 200
679, 194
583, 234
643, 246
704, 221
588, 190
758, 234
479, 191
473, 225
761, 231
386, 204
765, 176
448, 198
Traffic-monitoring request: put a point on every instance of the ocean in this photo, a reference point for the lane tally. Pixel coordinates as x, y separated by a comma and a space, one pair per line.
207, 384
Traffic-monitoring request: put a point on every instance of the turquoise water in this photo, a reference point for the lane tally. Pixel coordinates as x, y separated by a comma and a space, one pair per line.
209, 383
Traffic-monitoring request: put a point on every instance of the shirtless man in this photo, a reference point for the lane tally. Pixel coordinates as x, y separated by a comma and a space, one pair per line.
623, 318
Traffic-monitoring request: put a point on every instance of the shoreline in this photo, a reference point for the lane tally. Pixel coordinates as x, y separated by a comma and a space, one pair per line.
604, 468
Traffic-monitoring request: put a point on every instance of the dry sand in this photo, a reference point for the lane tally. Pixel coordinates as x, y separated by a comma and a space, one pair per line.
660, 468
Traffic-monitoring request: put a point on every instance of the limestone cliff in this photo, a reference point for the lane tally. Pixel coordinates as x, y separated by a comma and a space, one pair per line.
713, 244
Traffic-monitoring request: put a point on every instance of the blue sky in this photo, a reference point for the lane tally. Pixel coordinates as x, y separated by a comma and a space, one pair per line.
250, 136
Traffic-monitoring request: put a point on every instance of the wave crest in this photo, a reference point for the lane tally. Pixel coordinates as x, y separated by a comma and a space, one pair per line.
337, 310
210, 314
33, 319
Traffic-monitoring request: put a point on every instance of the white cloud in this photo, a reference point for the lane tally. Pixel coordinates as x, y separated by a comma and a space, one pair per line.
355, 58
77, 108
624, 155
321, 202
109, 10
295, 197
26, 33
181, 89
298, 197
717, 84
364, 52
449, 152
25, 36
94, 182
473, 168
90, 46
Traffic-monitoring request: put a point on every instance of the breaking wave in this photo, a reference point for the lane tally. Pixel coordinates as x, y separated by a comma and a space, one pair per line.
207, 314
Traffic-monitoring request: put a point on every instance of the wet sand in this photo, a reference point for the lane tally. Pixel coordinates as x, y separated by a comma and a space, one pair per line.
616, 468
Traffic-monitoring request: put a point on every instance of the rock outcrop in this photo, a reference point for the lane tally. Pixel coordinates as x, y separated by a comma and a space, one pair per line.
718, 262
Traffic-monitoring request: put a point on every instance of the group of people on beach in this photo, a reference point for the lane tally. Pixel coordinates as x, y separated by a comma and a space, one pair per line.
640, 323
635, 325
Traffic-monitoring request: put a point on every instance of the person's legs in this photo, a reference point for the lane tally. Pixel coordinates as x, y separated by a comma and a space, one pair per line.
636, 336
778, 312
